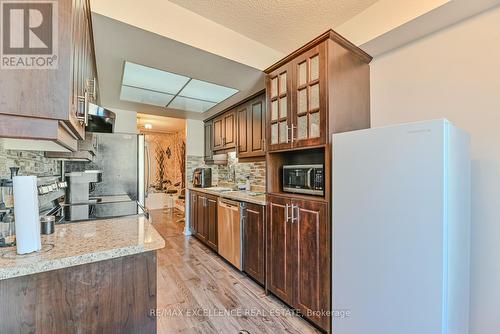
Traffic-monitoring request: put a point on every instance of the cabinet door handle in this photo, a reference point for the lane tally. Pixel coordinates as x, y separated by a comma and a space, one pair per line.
295, 217
85, 100
286, 213
91, 88
293, 134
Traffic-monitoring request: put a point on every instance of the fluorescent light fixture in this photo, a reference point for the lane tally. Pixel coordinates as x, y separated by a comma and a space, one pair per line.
139, 95
202, 90
184, 103
149, 78
143, 84
148, 126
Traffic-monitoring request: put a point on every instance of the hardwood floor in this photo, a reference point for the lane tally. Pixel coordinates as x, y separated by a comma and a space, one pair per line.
198, 292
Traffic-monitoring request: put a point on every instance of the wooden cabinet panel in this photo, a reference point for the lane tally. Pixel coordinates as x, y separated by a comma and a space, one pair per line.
218, 128
309, 94
279, 108
209, 156
280, 251
243, 133
257, 126
254, 243
202, 231
224, 128
193, 217
56, 94
298, 255
110, 296
211, 218
312, 273
251, 128
229, 138
203, 218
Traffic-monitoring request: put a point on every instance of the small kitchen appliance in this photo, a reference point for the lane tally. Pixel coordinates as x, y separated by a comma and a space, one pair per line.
202, 178
304, 179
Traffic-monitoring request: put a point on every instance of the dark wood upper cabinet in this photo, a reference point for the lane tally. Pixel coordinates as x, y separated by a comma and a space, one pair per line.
320, 89
229, 129
61, 94
309, 95
218, 134
251, 128
280, 249
279, 106
209, 134
254, 252
224, 127
243, 115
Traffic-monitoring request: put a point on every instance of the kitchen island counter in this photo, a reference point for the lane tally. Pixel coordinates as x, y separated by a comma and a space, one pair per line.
90, 277
85, 242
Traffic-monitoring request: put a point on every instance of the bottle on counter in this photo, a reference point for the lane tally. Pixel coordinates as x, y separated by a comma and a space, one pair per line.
7, 219
247, 183
7, 230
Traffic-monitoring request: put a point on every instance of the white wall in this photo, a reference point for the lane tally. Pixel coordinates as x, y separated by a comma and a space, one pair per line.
455, 73
126, 121
195, 135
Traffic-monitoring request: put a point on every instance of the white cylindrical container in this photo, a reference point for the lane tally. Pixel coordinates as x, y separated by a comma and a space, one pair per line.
26, 214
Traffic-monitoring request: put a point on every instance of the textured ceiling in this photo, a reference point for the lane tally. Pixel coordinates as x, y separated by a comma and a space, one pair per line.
280, 24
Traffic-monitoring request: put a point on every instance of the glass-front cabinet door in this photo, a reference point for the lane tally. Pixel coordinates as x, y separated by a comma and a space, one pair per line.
309, 93
279, 106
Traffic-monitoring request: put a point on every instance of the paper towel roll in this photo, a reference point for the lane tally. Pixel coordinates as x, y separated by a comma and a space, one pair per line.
26, 214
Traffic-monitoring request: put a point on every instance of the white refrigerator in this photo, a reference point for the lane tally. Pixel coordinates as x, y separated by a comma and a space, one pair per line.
401, 230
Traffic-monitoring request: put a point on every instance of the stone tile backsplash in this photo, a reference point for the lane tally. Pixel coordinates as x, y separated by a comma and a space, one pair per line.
222, 173
29, 163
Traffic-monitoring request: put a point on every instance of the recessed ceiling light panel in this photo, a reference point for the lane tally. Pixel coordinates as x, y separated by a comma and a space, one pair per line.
144, 77
143, 84
184, 103
207, 91
139, 95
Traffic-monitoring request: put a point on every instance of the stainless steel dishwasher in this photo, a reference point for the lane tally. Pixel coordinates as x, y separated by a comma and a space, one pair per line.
230, 229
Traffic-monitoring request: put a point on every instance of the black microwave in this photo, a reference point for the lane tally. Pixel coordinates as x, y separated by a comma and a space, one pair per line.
304, 179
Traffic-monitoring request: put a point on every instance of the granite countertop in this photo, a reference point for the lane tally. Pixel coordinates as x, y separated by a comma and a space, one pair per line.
237, 195
81, 243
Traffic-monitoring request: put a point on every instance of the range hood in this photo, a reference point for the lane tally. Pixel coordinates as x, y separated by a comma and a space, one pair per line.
100, 119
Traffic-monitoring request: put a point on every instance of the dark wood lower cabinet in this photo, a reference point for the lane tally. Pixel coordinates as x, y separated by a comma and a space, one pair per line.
111, 296
312, 293
211, 218
298, 263
202, 223
203, 218
279, 249
254, 243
